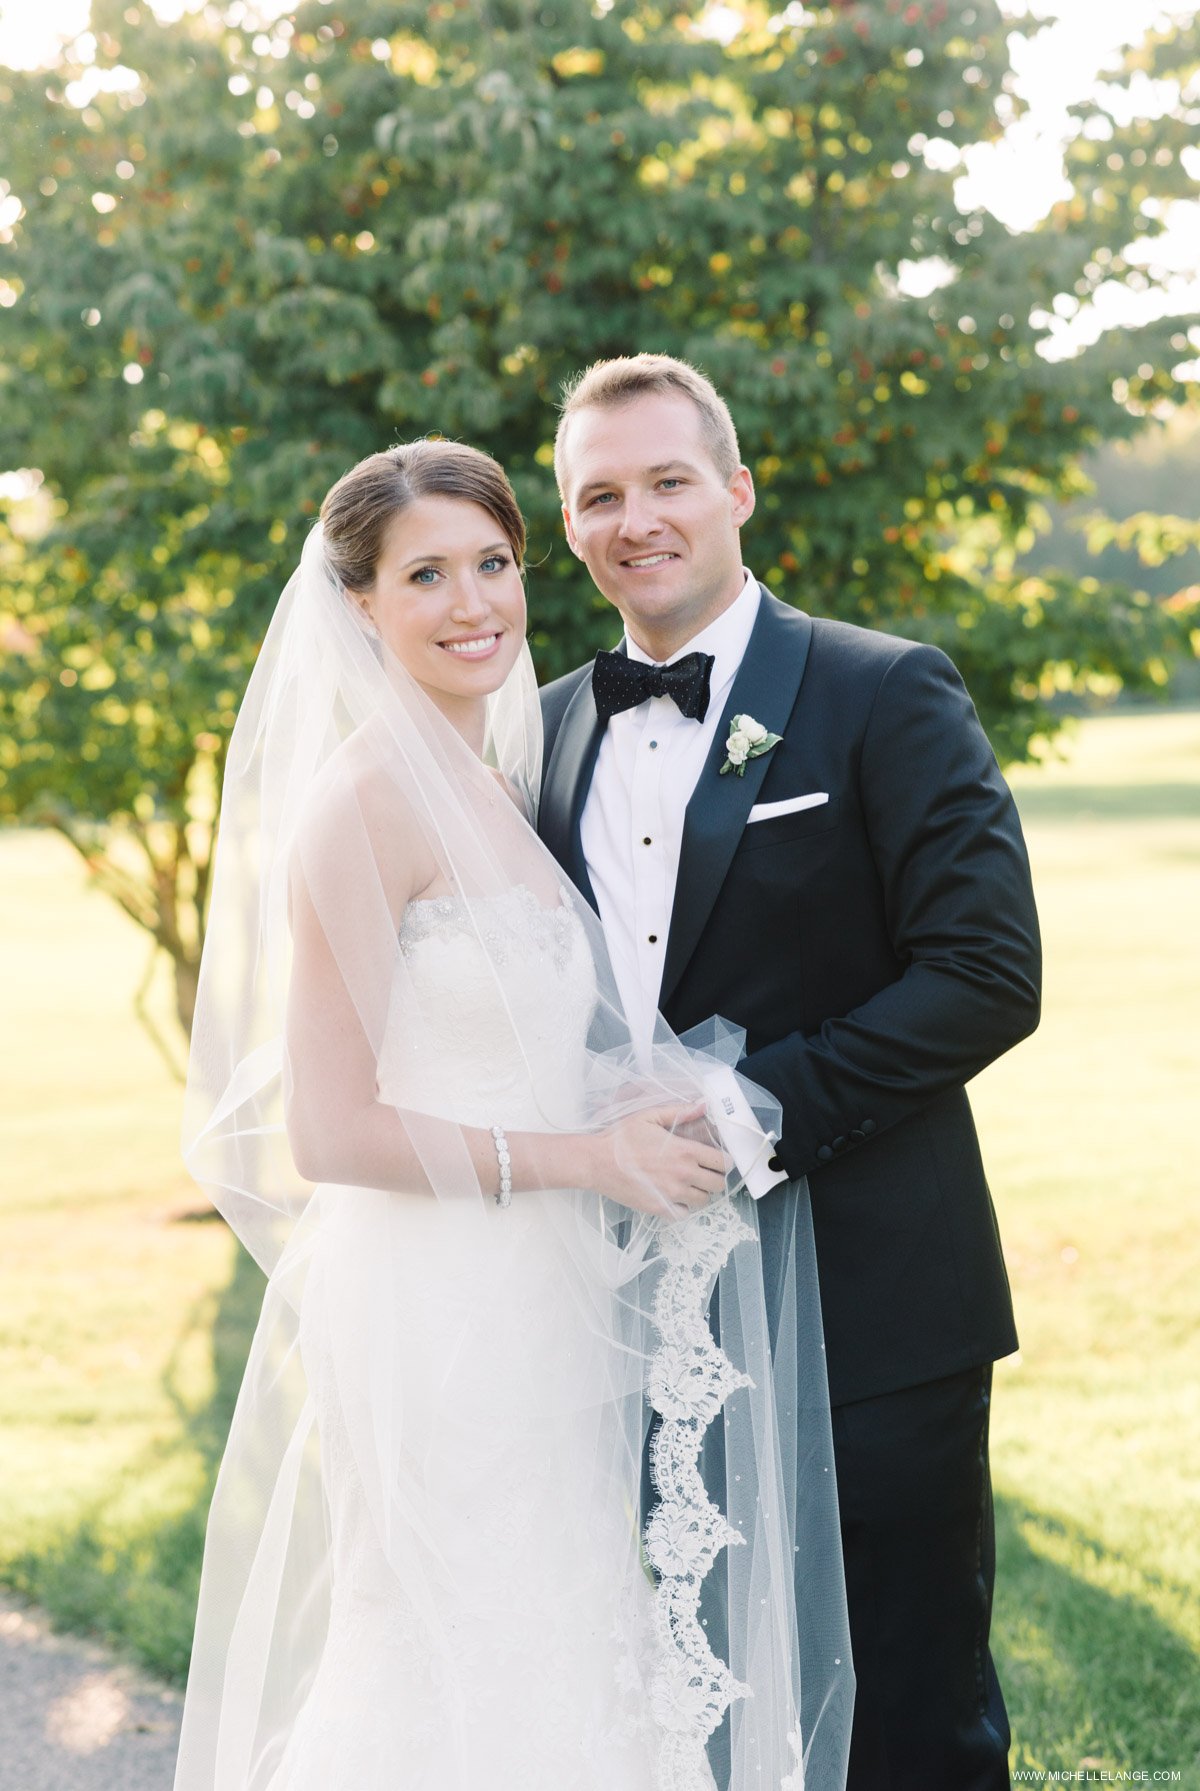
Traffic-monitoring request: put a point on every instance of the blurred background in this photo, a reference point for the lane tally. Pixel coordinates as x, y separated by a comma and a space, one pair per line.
944, 259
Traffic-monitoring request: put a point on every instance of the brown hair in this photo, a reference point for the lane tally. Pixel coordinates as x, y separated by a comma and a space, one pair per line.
359, 507
607, 384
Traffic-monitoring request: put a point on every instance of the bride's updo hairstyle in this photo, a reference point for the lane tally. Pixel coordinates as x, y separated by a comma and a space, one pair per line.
358, 509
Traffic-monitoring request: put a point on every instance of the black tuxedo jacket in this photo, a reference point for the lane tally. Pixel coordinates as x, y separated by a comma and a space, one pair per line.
879, 949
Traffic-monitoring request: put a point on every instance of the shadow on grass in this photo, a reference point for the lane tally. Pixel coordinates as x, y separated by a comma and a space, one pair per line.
1168, 801
135, 1583
1090, 1674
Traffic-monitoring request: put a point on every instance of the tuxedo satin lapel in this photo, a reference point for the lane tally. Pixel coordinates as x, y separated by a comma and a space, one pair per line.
568, 779
766, 687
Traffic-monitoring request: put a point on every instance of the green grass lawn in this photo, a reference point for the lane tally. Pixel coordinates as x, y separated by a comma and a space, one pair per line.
124, 1317
1088, 1133
122, 1321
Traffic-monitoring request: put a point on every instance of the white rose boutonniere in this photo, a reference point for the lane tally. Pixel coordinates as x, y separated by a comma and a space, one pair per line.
748, 739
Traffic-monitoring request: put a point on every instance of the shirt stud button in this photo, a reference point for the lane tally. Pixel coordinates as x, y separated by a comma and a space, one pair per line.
653, 745
653, 938
646, 840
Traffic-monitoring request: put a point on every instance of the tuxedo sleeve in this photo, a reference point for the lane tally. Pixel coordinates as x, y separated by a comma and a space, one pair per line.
946, 840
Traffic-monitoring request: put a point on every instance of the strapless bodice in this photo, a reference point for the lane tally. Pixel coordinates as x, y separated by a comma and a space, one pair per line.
490, 1011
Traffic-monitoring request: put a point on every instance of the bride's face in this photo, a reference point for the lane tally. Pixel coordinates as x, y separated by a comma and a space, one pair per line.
448, 599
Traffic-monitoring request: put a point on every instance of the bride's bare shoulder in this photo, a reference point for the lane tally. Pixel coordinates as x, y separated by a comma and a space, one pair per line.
361, 826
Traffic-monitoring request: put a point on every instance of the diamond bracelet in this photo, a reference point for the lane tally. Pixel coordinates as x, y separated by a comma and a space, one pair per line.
504, 1192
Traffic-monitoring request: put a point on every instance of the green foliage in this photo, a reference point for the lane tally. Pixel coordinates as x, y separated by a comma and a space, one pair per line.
274, 252
1117, 529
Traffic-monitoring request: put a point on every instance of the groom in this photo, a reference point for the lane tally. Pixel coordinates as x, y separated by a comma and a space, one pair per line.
858, 898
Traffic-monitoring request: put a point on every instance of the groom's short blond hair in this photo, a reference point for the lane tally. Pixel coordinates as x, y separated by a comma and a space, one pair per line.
608, 384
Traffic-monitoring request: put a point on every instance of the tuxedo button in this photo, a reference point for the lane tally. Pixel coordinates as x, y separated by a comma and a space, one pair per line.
824, 1155
839, 1143
774, 1165
857, 1135
867, 1127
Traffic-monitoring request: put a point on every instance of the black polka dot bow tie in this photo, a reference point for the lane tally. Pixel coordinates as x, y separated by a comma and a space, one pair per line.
621, 683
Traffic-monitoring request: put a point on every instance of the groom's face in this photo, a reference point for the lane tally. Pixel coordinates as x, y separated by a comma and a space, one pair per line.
652, 519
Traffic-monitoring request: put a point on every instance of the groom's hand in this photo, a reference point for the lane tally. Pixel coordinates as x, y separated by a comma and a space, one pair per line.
701, 1130
662, 1161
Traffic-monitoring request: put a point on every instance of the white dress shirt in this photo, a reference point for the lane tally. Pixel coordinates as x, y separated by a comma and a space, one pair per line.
649, 763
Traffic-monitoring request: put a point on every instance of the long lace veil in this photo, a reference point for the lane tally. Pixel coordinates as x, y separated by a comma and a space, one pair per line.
346, 792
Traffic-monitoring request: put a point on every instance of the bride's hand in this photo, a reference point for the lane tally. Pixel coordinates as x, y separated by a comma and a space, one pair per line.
660, 1161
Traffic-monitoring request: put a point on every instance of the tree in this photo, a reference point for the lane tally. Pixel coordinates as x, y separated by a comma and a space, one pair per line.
263, 253
1156, 472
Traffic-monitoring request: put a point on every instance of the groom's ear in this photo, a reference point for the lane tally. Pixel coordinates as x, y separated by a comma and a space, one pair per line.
572, 543
742, 494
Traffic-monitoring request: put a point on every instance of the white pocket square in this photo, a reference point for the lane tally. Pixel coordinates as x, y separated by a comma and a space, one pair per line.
770, 811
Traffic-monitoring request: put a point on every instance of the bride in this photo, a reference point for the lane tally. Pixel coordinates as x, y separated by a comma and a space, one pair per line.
493, 1230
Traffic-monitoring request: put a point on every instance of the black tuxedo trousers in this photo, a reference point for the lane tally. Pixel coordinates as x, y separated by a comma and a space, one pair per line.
918, 1544
879, 947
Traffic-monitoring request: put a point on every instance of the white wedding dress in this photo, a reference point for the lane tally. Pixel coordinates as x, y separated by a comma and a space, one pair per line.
488, 1610
423, 1568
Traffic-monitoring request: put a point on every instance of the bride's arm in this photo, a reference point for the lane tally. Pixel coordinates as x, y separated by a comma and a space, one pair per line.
340, 1131
338, 1128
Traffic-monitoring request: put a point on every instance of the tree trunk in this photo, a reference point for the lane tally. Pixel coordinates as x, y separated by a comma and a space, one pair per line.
187, 976
155, 904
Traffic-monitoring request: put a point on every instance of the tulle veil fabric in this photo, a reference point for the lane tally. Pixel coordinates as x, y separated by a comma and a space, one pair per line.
345, 790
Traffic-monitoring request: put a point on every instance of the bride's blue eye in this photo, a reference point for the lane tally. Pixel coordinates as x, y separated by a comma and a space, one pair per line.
495, 562
419, 576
